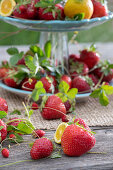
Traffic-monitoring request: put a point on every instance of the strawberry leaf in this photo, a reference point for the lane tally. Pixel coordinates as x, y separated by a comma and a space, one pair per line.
12, 51
95, 93
15, 112
62, 97
37, 50
47, 49
103, 99
79, 17
3, 114
15, 58
72, 93
108, 89
39, 85
26, 127
30, 113
56, 155
1, 127
63, 87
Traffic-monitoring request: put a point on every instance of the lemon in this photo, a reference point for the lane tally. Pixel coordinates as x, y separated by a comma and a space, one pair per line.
74, 7
6, 7
59, 132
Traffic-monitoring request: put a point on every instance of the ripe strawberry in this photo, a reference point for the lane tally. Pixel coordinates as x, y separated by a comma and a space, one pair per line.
94, 78
100, 9
73, 58
38, 133
65, 119
3, 132
54, 108
34, 106
78, 68
14, 123
53, 11
82, 83
49, 83
3, 105
5, 152
10, 82
76, 141
28, 84
3, 72
12, 136
67, 105
90, 57
41, 148
67, 79
82, 122
21, 62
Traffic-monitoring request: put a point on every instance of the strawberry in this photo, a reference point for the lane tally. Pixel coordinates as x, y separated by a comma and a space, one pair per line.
100, 9
54, 108
76, 140
38, 133
3, 105
78, 68
67, 105
3, 131
94, 78
3, 72
90, 56
28, 84
67, 79
82, 122
50, 10
41, 148
82, 83
10, 82
73, 58
5, 152
34, 106
65, 119
49, 83
21, 62
14, 123
12, 136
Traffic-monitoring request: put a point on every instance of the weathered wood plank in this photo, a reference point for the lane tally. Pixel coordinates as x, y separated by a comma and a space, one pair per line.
91, 161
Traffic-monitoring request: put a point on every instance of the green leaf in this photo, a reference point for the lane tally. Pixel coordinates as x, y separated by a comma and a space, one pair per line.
1, 127
39, 85
108, 89
18, 138
38, 50
56, 155
12, 51
63, 87
3, 114
62, 97
72, 93
30, 113
29, 63
15, 112
37, 92
15, 58
79, 17
47, 49
103, 99
13, 128
26, 127
96, 93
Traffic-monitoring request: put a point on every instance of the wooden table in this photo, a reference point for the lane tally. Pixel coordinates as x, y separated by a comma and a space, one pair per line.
102, 158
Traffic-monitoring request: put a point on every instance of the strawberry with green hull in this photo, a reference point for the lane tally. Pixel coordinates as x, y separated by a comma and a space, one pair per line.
73, 58
3, 131
3, 72
90, 56
94, 78
53, 108
41, 148
82, 122
10, 82
50, 10
100, 9
28, 84
3, 105
76, 140
67, 79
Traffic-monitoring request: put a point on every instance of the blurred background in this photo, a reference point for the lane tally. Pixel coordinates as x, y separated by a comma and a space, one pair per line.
102, 33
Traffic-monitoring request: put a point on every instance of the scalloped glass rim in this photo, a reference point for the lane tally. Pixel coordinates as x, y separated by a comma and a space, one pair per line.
57, 25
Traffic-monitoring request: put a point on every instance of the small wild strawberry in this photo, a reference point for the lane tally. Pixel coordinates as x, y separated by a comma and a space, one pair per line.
34, 106
38, 133
12, 136
5, 152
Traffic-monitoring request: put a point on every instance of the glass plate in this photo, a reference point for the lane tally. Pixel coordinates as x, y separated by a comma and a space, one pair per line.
56, 25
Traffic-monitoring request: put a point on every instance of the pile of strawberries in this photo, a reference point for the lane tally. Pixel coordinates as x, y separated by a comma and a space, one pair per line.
52, 10
43, 147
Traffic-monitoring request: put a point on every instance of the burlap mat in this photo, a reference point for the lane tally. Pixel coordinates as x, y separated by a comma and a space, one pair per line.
91, 111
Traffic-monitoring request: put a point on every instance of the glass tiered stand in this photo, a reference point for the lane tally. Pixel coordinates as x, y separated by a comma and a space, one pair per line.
57, 32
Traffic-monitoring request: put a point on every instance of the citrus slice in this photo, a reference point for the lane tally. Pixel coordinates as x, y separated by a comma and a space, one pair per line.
6, 7
59, 132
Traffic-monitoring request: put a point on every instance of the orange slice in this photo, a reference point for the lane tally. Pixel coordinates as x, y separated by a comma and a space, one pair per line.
59, 132
6, 7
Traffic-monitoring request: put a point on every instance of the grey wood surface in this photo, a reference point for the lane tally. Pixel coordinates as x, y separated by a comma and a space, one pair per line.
101, 160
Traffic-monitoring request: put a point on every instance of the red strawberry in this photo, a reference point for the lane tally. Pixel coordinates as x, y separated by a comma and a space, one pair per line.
38, 133
54, 108
41, 148
81, 122
5, 152
94, 78
49, 82
65, 119
3, 132
10, 82
28, 84
78, 68
82, 83
3, 72
3, 105
100, 9
90, 57
73, 58
21, 62
58, 12
14, 123
67, 79
35, 106
76, 141
12, 136
67, 105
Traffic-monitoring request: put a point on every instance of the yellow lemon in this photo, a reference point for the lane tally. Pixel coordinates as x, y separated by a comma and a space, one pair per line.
6, 7
59, 132
74, 7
